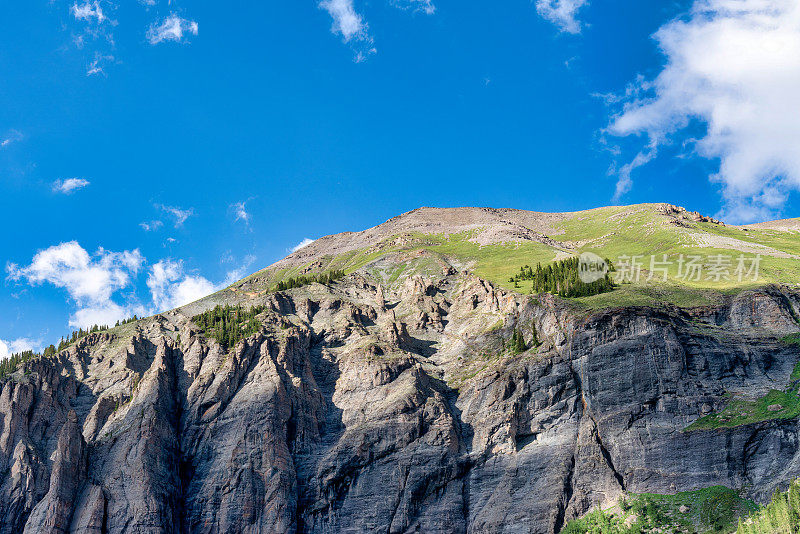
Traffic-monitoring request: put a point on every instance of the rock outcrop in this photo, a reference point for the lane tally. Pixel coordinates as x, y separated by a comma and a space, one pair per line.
372, 407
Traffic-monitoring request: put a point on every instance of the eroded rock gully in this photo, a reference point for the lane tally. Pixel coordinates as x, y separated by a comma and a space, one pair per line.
365, 407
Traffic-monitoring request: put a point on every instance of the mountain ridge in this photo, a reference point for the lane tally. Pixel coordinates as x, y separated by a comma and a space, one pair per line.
412, 394
480, 238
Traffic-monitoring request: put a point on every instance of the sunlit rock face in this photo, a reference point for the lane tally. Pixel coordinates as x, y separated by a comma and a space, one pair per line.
381, 404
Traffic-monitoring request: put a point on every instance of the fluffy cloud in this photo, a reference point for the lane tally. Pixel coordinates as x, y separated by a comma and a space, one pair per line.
351, 26
346, 21
172, 28
85, 277
171, 287
90, 280
69, 185
7, 348
93, 282
732, 68
304, 243
563, 13
104, 313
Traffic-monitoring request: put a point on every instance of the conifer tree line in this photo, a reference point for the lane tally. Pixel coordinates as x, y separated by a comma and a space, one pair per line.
229, 324
81, 333
10, 364
780, 516
562, 278
304, 280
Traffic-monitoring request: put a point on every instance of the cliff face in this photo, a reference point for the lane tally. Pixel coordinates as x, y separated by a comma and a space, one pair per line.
393, 407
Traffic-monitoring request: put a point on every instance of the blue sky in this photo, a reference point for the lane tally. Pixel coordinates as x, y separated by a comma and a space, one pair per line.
152, 151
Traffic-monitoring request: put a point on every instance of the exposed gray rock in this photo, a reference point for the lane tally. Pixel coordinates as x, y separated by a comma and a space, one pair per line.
365, 407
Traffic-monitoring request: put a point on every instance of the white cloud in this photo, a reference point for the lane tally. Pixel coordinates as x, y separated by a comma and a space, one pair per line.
304, 243
172, 28
238, 273
563, 13
179, 214
354, 30
624, 180
88, 11
90, 280
151, 226
240, 210
7, 348
104, 313
70, 185
351, 26
171, 287
732, 68
346, 21
85, 277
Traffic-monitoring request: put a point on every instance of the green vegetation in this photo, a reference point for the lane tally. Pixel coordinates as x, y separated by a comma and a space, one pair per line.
780, 516
655, 295
792, 339
299, 281
562, 278
229, 324
10, 364
709, 510
743, 411
516, 345
599, 522
615, 232
76, 335
126, 321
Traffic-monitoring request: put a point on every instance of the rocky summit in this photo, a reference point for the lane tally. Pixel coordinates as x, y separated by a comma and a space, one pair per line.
419, 390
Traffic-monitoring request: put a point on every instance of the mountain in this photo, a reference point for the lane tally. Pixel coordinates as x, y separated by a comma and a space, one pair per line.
421, 390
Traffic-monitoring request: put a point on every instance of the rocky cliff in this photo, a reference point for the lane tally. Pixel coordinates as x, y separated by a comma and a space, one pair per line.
394, 405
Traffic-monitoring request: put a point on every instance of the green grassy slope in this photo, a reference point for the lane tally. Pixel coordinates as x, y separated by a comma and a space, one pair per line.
613, 232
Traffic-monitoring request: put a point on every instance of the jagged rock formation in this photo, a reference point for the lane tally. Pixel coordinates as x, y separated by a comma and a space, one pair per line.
370, 406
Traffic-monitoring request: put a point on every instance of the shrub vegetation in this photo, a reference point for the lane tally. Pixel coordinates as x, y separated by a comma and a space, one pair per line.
780, 516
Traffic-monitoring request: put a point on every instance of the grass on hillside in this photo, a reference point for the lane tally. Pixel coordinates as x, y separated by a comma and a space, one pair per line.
713, 510
608, 232
741, 410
